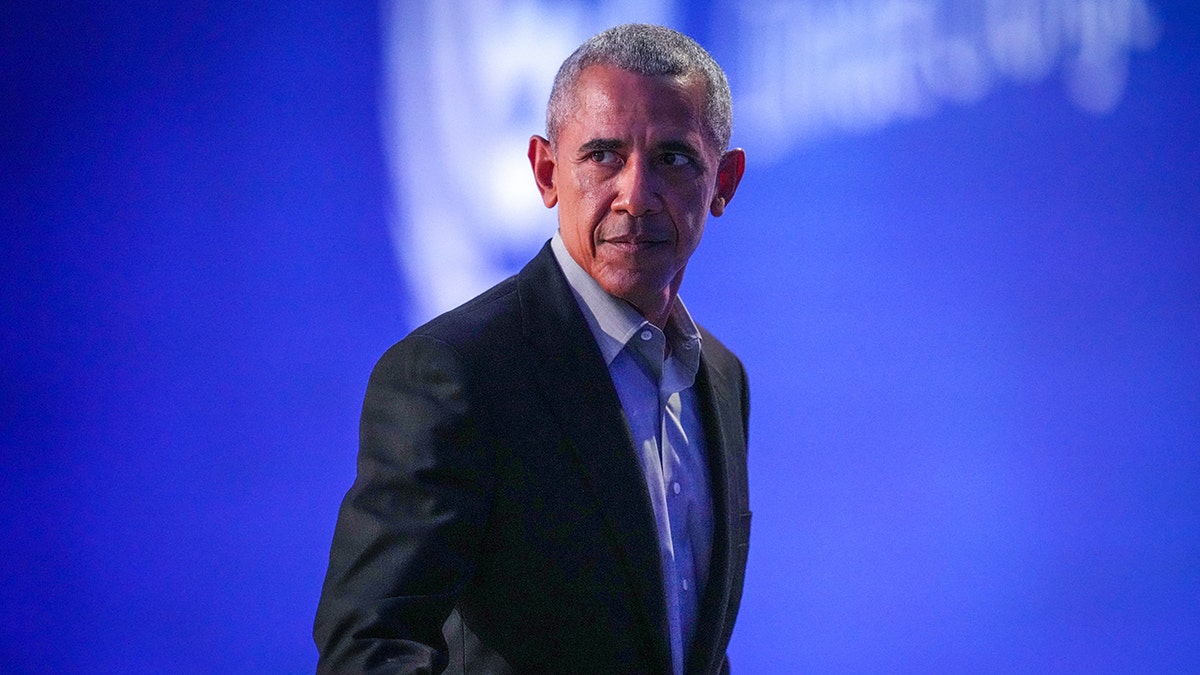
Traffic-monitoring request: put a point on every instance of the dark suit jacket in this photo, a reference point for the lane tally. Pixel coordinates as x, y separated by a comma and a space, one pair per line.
499, 521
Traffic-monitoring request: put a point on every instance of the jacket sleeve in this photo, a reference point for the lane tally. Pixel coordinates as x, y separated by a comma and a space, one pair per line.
405, 541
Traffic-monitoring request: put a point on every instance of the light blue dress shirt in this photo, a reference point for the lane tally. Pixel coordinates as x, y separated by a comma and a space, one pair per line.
654, 383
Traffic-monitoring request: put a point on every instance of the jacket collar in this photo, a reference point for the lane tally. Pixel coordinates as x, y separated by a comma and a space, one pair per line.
592, 420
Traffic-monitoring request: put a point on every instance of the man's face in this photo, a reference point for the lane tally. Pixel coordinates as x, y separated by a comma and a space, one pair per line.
634, 180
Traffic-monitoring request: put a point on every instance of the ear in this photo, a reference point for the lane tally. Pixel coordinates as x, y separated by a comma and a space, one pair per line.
541, 158
729, 174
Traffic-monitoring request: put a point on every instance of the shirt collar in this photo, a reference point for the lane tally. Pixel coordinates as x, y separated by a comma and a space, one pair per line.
615, 322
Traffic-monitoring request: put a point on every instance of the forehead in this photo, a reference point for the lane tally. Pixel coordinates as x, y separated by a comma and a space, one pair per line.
614, 103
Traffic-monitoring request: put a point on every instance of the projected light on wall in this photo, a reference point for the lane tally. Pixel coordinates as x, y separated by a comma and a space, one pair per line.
471, 78
807, 69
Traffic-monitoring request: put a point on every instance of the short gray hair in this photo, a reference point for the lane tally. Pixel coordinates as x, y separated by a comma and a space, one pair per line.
646, 49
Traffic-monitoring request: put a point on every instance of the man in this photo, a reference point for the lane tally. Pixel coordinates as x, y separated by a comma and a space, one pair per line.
552, 477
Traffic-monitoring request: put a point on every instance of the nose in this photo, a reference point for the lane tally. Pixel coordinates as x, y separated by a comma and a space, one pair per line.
637, 190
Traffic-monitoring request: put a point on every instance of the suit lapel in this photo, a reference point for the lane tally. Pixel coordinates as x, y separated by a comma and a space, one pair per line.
593, 421
723, 432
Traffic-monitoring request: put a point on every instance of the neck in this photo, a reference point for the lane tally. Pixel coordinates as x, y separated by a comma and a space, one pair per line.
657, 307
656, 310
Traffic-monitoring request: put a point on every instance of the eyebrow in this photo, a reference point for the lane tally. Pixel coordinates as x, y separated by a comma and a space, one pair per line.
614, 144
680, 147
597, 144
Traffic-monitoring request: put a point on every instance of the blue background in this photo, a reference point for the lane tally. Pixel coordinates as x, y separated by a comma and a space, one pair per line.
972, 339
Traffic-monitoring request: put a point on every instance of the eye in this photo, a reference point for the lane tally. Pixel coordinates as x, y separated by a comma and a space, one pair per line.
676, 159
603, 157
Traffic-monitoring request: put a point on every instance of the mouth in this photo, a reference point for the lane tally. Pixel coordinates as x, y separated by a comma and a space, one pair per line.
635, 241
635, 247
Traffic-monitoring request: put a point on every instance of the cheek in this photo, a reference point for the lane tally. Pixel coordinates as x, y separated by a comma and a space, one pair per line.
691, 191
581, 179
691, 221
590, 200
691, 202
579, 210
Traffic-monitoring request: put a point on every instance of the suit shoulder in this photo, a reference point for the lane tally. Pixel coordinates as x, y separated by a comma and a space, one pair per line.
717, 352
491, 313
470, 333
497, 304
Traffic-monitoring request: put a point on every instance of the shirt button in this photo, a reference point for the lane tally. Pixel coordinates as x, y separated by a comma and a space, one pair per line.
685, 584
646, 335
675, 487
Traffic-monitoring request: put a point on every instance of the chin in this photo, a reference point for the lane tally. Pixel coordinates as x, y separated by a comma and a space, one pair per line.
630, 285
